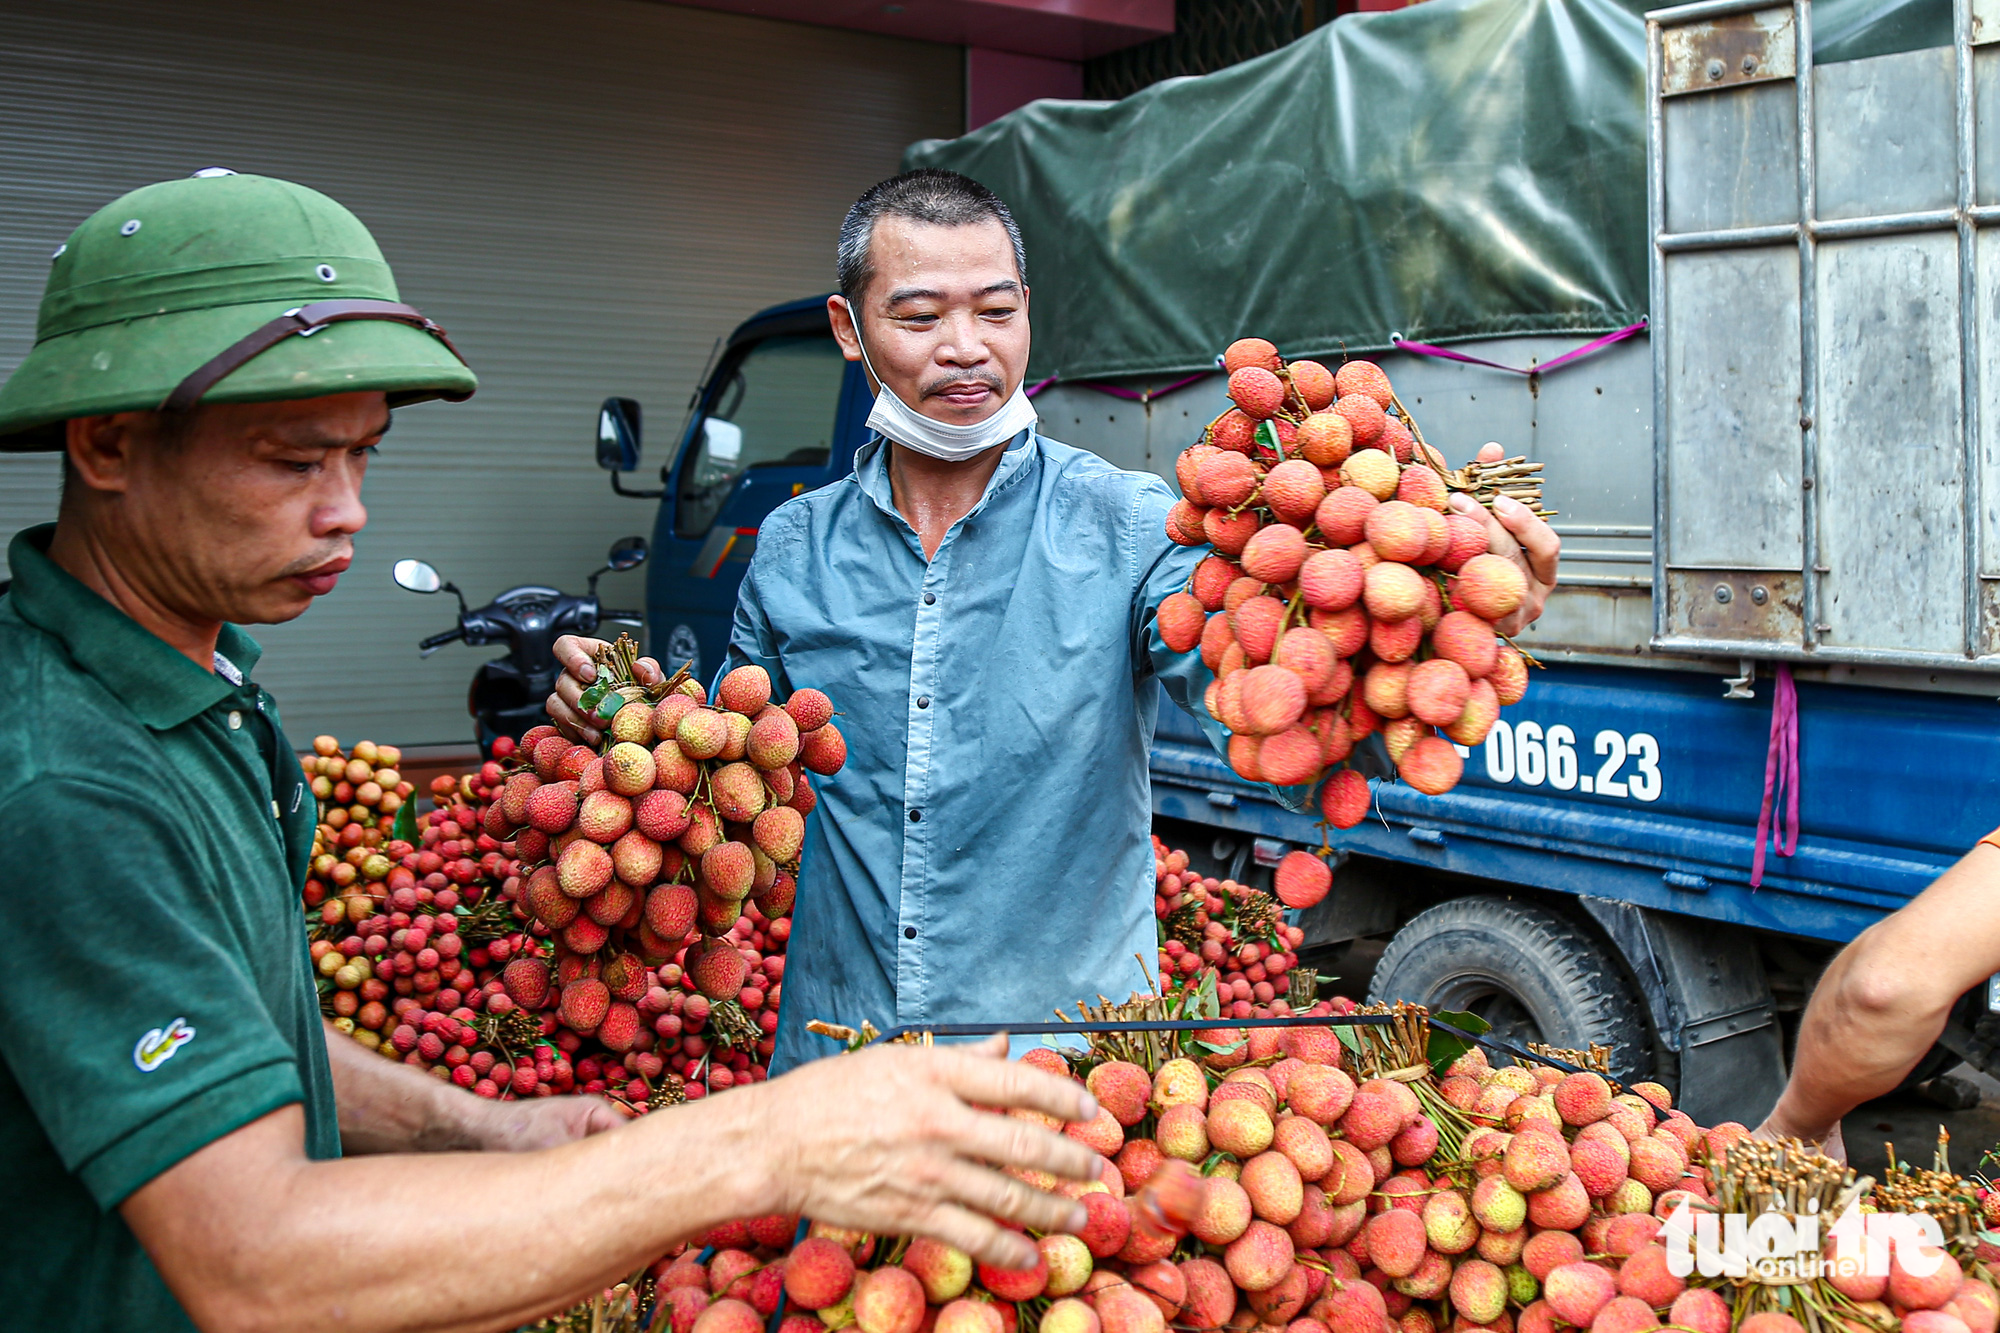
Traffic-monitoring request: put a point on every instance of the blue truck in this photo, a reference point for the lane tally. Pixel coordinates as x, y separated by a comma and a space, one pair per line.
1781, 476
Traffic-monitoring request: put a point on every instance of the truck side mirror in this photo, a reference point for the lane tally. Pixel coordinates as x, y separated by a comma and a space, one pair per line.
618, 435
627, 553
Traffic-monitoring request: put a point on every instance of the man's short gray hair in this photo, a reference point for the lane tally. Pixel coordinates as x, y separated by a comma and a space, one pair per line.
940, 198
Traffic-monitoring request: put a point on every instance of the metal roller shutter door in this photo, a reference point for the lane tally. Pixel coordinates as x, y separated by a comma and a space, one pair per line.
586, 194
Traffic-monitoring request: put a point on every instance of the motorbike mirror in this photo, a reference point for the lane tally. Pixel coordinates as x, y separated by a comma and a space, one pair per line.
627, 553
417, 576
618, 435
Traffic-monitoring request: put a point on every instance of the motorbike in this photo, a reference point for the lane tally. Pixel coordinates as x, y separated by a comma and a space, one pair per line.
509, 693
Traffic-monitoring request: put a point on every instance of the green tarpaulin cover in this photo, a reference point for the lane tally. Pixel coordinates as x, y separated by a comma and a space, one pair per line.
1459, 169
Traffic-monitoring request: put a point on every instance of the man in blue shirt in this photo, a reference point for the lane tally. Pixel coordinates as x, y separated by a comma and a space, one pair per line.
979, 601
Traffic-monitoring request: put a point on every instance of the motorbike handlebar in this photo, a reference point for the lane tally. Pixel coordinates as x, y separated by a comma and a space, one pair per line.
440, 640
629, 617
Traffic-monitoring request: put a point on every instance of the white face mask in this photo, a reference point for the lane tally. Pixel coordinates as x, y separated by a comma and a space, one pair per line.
894, 419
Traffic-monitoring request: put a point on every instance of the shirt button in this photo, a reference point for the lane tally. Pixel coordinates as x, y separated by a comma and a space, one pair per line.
909, 932
235, 720
923, 701
916, 816
930, 599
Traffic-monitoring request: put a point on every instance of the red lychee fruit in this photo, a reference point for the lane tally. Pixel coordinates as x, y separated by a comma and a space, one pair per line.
527, 982
583, 1004
620, 1027
966, 1315
1225, 1212
818, 1273
780, 833
887, 1300
1233, 431
1322, 1094
670, 911
1325, 440
1306, 1144
1226, 479
552, 807
1288, 759
1015, 1284
1187, 472
609, 907
1302, 879
1108, 1224
1657, 1163
1274, 554
1563, 1205
584, 868
1921, 1277
745, 690
1123, 1089
1645, 1275
1392, 591
944, 1270
1385, 689
717, 968
1431, 765
1489, 586
1535, 1161
1273, 1184
1396, 1242
1701, 1310
604, 816
1509, 676
1772, 1321
1227, 532
1577, 1291
702, 733
1104, 1133
1547, 1251
661, 815
1345, 798
546, 899
1346, 630
1293, 489
810, 709
1468, 538
728, 1316
1598, 1166
628, 768
1371, 470
1309, 654
1624, 1314
774, 740
1239, 1127
1397, 530
1364, 377
823, 750
1273, 699
1260, 1258
1422, 486
636, 859
1211, 1296
1364, 414
1330, 580
1255, 623
1258, 392
1438, 690
1395, 640
1313, 383
1211, 580
1250, 352
1342, 517
1417, 1143
1467, 640
729, 870
1181, 620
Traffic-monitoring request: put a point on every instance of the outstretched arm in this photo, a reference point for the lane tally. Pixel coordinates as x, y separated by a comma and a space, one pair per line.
1885, 998
387, 1107
887, 1142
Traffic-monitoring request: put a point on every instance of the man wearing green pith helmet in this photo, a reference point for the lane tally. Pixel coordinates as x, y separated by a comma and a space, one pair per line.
180, 1143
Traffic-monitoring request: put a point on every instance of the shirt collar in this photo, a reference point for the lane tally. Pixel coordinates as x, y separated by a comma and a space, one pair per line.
160, 685
871, 470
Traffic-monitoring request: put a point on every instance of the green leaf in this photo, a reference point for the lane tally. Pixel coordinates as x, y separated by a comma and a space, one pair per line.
405, 827
1267, 435
1349, 1038
1220, 1049
1205, 1002
1443, 1048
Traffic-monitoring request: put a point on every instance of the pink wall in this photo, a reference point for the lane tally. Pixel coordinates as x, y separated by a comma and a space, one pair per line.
1063, 30
997, 82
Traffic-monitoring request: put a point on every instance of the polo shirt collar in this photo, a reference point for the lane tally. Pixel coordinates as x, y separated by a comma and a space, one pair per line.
871, 470
159, 684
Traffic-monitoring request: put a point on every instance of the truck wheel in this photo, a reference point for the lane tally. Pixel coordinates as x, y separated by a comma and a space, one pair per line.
1530, 972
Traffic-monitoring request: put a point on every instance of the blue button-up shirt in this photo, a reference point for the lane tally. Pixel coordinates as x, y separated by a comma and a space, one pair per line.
985, 854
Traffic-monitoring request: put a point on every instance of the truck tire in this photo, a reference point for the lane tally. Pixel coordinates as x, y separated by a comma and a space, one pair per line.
1529, 971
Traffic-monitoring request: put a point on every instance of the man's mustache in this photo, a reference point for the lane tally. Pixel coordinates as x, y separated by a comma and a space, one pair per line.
986, 377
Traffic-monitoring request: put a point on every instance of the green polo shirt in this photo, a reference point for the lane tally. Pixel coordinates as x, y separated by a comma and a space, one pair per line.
155, 988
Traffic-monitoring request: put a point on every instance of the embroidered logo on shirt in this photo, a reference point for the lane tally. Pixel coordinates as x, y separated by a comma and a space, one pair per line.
158, 1046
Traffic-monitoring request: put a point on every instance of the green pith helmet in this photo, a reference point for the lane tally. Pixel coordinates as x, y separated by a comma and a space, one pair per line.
200, 290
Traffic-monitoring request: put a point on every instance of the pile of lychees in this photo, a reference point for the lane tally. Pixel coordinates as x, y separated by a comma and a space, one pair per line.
1316, 1180
1229, 937
1342, 596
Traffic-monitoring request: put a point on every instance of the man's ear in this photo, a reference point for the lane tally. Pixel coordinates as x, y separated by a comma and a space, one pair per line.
100, 450
841, 315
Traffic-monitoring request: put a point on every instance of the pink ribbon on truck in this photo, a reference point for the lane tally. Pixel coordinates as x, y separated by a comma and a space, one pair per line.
1781, 776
